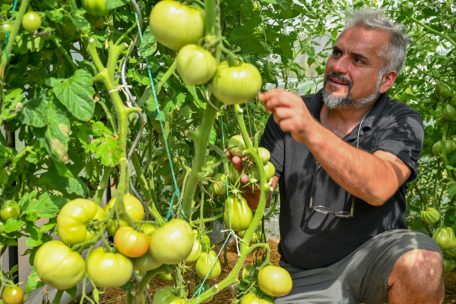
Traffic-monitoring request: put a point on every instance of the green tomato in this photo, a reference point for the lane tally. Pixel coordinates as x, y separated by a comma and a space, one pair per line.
31, 21
79, 220
13, 295
10, 210
145, 263
442, 90
237, 213
274, 281
236, 145
196, 251
175, 24
264, 154
96, 8
219, 185
108, 269
430, 215
133, 208
195, 64
172, 242
449, 112
59, 266
208, 265
235, 84
4, 29
166, 295
444, 237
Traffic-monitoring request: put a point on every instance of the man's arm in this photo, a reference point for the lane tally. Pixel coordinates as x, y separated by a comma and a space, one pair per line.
373, 178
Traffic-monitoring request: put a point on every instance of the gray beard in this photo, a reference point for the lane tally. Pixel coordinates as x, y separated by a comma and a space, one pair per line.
333, 102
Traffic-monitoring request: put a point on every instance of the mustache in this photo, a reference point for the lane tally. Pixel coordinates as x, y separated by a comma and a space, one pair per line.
338, 78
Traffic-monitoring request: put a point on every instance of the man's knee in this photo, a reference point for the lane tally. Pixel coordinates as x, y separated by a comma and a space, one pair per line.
418, 270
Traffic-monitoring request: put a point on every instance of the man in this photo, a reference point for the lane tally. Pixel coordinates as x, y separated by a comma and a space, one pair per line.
343, 159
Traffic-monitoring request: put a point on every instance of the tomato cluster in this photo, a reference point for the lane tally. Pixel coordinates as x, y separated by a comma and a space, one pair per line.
144, 247
181, 27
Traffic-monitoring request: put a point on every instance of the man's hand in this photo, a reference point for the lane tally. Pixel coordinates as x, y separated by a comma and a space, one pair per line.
289, 112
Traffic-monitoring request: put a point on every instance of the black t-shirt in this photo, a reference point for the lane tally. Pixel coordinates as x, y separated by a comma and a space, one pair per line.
310, 239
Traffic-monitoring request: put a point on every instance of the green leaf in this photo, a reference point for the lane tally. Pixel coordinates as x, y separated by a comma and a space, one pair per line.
57, 133
12, 105
46, 206
63, 181
107, 149
28, 43
33, 281
148, 44
112, 4
55, 15
34, 113
76, 94
12, 225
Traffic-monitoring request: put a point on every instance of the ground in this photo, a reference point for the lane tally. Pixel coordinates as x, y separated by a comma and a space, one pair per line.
117, 296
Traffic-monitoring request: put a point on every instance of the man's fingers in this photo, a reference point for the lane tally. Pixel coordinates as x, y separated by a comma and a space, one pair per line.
237, 163
244, 179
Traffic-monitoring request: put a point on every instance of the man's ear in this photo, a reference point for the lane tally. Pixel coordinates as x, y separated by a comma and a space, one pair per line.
388, 80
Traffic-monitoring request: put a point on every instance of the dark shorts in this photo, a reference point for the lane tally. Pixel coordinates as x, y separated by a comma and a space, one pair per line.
361, 277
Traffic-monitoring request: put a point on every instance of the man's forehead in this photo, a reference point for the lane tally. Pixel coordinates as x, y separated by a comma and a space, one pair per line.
360, 39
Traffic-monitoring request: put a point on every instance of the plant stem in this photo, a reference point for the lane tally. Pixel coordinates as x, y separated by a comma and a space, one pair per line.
201, 140
5, 56
263, 183
434, 31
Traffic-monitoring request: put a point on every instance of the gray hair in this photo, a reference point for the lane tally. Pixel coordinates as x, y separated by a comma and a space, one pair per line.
394, 53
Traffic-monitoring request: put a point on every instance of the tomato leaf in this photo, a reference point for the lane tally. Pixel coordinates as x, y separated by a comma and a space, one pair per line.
62, 180
12, 225
148, 44
28, 42
112, 4
33, 281
46, 206
34, 113
57, 134
12, 105
76, 94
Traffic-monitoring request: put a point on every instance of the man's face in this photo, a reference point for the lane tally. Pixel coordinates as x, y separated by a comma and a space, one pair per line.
353, 72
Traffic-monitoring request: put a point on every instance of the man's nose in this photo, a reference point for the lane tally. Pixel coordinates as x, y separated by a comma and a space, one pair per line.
340, 65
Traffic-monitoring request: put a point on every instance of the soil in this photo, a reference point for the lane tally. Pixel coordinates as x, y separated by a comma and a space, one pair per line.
226, 296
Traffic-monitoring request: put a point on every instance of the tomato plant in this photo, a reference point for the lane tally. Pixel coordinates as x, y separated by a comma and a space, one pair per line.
10, 210
175, 24
236, 84
31, 21
59, 266
95, 7
78, 221
274, 281
195, 64
13, 295
108, 269
130, 242
172, 243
